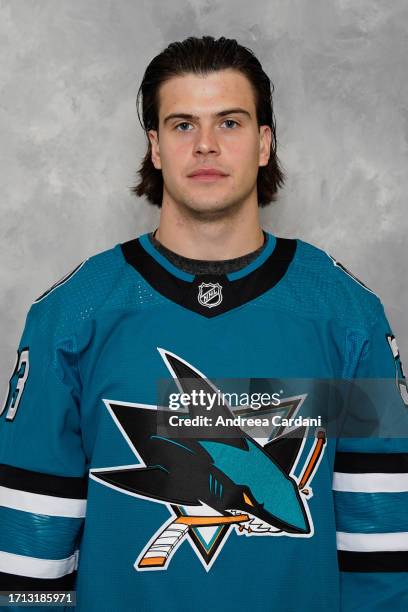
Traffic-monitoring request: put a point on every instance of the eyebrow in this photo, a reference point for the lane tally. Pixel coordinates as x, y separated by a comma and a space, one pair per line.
229, 111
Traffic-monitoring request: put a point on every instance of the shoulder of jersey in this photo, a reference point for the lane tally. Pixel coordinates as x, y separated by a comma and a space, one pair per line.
337, 289
79, 293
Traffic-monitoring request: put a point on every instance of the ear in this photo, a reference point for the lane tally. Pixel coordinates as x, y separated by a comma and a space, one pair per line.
265, 139
154, 143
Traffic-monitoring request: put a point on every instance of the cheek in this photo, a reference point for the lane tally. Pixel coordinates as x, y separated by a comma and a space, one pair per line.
243, 159
176, 154
240, 149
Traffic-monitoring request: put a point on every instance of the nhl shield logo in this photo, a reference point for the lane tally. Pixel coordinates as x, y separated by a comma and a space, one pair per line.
210, 294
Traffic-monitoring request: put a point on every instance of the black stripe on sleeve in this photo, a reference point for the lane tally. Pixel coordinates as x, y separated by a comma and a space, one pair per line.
362, 463
12, 582
44, 484
384, 561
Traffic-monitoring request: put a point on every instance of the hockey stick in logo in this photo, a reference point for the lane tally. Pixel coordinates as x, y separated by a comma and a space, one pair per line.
313, 461
164, 545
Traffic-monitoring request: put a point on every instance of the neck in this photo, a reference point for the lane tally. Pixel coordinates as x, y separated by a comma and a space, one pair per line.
209, 238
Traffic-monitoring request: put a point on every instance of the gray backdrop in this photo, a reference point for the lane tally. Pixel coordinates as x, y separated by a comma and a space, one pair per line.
71, 142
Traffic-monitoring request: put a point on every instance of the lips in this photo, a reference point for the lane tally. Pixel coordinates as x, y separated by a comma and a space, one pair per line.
207, 172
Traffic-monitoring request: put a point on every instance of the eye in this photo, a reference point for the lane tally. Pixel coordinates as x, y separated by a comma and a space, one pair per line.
183, 123
231, 121
247, 500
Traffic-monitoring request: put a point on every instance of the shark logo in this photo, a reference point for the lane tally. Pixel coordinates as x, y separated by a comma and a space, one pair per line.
211, 486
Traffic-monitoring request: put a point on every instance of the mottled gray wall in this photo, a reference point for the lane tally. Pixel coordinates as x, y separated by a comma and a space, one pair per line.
71, 143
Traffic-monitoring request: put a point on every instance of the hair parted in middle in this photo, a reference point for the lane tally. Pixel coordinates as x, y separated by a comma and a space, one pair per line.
202, 56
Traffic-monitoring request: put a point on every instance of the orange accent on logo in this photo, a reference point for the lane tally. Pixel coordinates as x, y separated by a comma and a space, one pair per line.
197, 521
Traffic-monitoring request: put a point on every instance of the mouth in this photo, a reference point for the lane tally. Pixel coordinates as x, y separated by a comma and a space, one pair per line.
207, 178
254, 524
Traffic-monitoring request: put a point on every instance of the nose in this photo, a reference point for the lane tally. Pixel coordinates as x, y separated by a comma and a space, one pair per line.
206, 141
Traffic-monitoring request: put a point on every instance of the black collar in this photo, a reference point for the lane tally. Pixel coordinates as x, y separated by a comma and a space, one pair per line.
206, 294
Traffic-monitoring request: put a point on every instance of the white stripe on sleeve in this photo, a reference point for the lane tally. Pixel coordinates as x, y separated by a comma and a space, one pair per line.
372, 542
42, 504
33, 567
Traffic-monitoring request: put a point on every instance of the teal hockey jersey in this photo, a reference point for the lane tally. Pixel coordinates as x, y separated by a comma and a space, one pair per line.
104, 491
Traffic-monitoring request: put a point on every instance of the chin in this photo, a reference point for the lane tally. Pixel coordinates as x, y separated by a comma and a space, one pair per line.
205, 206
208, 202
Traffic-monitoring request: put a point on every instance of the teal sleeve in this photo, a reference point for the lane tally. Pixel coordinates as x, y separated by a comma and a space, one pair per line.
370, 483
43, 484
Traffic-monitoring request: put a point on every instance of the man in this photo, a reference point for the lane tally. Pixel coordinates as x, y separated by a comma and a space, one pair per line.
108, 487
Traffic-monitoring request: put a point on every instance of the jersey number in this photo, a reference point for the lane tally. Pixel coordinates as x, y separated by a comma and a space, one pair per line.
400, 379
16, 384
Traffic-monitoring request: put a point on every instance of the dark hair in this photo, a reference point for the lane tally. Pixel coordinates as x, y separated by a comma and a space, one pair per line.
202, 56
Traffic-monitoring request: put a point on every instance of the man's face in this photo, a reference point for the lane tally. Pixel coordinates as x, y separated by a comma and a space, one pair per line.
193, 135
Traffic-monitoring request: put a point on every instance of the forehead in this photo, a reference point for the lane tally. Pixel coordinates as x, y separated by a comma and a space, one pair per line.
192, 93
